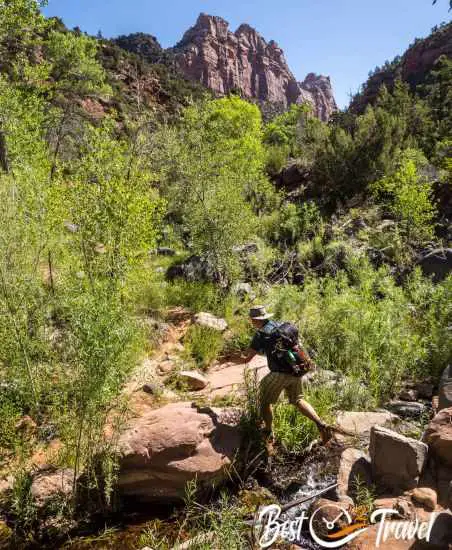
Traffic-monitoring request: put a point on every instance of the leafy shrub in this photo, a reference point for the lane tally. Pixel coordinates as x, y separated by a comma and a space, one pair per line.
203, 344
409, 196
277, 156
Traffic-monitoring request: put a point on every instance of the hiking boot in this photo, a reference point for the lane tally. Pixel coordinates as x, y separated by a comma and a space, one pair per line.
326, 433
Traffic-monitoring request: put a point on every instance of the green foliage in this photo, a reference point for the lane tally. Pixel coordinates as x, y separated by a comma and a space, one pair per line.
75, 68
292, 222
112, 204
216, 159
282, 130
203, 344
409, 196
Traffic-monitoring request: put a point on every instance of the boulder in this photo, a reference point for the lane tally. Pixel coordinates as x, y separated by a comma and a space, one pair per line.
425, 496
208, 320
163, 449
437, 263
443, 484
445, 389
368, 539
48, 485
193, 379
361, 423
425, 390
192, 269
244, 290
397, 461
408, 395
354, 467
438, 436
441, 534
407, 409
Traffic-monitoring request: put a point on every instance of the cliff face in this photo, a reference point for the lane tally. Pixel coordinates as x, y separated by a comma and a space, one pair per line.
225, 61
412, 67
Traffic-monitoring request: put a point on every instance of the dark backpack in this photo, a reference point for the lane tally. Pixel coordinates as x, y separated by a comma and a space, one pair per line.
284, 352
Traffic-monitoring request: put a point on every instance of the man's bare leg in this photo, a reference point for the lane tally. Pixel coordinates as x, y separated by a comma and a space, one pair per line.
308, 410
267, 417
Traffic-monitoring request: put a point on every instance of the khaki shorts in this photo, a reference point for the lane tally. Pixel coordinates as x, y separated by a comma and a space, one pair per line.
274, 383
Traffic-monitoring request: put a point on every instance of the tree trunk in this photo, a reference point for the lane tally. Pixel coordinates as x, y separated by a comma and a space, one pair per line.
4, 165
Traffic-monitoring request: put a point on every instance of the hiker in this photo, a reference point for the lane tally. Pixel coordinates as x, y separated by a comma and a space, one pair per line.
287, 364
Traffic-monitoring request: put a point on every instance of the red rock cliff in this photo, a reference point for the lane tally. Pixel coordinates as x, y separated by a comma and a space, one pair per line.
225, 61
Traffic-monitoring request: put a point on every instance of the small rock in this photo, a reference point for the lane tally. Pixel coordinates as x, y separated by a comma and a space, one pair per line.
397, 461
247, 248
244, 290
100, 248
166, 367
386, 224
425, 496
403, 507
48, 484
208, 320
26, 425
165, 251
410, 409
152, 388
194, 380
71, 227
408, 395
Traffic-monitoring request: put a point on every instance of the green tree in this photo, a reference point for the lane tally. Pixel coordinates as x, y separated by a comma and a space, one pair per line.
212, 165
409, 196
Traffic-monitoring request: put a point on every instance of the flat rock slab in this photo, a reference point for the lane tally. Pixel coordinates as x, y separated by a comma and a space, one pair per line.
360, 423
230, 377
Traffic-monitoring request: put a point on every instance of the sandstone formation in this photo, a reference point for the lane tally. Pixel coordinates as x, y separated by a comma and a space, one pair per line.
412, 67
163, 449
397, 461
243, 61
438, 436
354, 467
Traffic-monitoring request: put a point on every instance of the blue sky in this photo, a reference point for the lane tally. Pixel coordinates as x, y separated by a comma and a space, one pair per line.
344, 39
